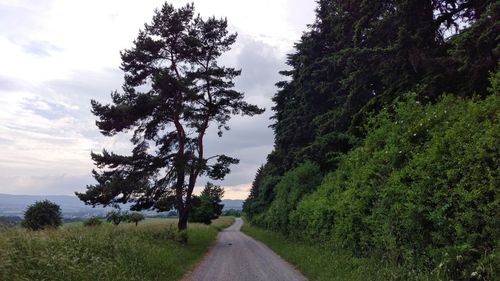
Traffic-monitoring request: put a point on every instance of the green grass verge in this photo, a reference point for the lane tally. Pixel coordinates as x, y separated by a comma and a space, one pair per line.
319, 262
106, 252
223, 222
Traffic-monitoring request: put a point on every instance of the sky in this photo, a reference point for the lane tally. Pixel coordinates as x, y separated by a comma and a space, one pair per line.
57, 55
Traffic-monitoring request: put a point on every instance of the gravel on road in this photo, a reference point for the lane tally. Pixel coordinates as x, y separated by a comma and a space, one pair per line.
238, 257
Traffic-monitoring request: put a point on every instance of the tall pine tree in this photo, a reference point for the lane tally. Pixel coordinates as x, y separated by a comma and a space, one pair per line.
174, 89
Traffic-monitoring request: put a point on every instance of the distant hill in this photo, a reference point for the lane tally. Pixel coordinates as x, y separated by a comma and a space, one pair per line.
232, 204
71, 206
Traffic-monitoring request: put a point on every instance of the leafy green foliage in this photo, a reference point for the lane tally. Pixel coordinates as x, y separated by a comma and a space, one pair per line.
289, 191
116, 216
207, 207
134, 217
92, 221
321, 263
359, 56
422, 189
411, 179
41, 215
261, 192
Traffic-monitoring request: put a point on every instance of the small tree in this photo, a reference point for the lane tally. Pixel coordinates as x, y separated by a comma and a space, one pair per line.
135, 217
41, 215
116, 217
207, 207
92, 221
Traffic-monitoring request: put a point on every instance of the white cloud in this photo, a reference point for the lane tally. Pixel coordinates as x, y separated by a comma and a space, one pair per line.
239, 191
58, 54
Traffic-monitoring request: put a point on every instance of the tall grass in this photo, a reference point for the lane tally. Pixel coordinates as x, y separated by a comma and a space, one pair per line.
321, 263
126, 252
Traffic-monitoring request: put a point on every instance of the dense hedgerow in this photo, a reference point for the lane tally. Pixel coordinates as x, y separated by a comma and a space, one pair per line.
421, 190
288, 192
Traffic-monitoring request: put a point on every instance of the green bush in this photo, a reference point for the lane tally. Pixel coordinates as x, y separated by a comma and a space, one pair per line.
421, 190
92, 221
134, 217
291, 188
255, 207
116, 216
207, 207
41, 215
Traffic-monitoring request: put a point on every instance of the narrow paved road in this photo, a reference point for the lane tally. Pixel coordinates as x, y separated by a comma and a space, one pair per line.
238, 257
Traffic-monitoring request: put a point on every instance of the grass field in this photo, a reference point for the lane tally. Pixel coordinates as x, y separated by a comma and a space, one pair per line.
318, 262
126, 252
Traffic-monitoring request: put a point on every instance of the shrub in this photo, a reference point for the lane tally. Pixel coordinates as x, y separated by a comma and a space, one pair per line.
255, 207
134, 217
92, 221
41, 215
116, 217
207, 207
288, 192
421, 190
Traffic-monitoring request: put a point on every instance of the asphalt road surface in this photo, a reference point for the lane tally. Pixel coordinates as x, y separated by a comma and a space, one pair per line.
238, 257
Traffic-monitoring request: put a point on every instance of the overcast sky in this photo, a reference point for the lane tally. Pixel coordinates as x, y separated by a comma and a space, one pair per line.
56, 55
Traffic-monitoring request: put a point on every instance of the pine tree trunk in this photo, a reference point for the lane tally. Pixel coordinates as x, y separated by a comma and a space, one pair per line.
183, 218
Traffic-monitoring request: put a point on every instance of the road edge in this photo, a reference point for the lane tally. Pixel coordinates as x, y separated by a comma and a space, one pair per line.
186, 276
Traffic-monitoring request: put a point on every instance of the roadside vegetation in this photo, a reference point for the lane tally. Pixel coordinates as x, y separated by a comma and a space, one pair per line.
151, 251
320, 263
387, 140
420, 193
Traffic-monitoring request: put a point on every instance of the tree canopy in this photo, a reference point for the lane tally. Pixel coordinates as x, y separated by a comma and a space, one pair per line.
174, 89
207, 206
41, 215
135, 217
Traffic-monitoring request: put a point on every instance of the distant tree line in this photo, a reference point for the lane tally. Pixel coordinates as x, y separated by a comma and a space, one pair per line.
386, 136
9, 221
232, 212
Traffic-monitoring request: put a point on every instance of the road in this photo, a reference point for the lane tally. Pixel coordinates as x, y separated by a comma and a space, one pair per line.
238, 257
